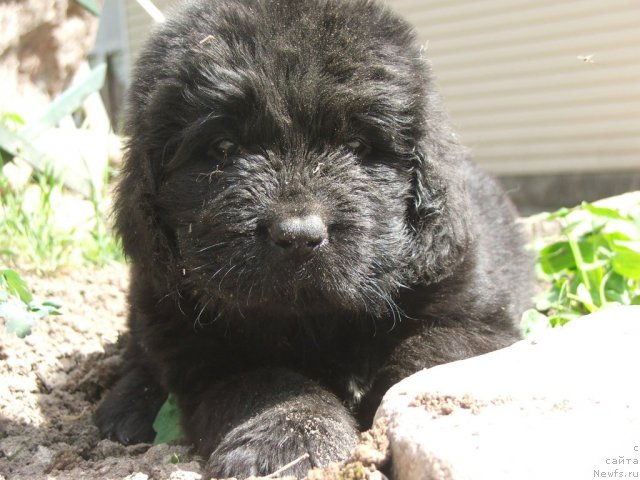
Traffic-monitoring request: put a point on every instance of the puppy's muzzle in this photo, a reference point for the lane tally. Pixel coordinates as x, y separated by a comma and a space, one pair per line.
298, 235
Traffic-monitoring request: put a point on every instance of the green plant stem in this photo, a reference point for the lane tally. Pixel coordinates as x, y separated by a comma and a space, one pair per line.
580, 263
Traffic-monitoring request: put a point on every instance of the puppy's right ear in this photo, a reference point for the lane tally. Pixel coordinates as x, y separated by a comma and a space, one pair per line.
151, 122
144, 239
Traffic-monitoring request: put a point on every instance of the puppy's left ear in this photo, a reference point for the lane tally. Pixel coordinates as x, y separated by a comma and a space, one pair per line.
438, 214
429, 191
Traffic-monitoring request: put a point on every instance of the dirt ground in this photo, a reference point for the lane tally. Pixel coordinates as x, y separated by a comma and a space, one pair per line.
52, 380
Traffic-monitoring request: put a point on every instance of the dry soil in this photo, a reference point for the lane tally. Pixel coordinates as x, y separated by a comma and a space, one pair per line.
52, 380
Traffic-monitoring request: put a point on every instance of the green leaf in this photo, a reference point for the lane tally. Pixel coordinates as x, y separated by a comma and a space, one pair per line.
167, 422
560, 213
69, 100
583, 295
16, 144
603, 211
563, 318
20, 143
620, 230
626, 246
532, 320
626, 260
45, 308
91, 6
556, 258
579, 223
9, 118
547, 299
17, 319
17, 285
615, 289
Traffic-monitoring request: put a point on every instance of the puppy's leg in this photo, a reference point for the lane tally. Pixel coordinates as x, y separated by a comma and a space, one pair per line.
257, 422
430, 346
126, 414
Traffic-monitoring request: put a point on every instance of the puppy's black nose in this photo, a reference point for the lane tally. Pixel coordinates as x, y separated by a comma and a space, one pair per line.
300, 235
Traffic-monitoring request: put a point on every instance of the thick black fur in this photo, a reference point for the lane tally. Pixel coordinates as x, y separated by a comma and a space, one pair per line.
246, 112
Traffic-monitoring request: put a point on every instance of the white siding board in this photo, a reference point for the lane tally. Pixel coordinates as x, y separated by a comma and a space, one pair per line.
555, 162
451, 11
516, 134
557, 19
505, 148
530, 79
513, 83
583, 43
546, 99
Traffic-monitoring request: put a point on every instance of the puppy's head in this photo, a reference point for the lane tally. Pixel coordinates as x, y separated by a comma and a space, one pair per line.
288, 155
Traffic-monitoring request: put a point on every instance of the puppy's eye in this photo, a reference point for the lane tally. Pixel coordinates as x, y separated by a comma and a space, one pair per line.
221, 149
357, 146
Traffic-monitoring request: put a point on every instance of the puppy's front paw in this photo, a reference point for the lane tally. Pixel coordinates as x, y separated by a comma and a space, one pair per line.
271, 441
126, 414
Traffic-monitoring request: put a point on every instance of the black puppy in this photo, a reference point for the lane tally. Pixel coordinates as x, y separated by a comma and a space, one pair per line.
304, 231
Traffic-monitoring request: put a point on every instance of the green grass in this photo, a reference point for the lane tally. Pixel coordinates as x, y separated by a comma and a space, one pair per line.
39, 225
32, 234
29, 235
593, 263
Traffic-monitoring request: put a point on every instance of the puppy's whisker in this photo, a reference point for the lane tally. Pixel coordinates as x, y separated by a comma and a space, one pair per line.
396, 313
197, 322
200, 267
214, 275
215, 319
249, 293
211, 246
237, 295
225, 276
178, 297
169, 294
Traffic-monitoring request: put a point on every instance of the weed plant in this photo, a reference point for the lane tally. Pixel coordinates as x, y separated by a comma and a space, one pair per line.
593, 263
31, 235
17, 305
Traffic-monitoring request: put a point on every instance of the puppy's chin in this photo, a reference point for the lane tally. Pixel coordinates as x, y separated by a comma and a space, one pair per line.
302, 304
312, 288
